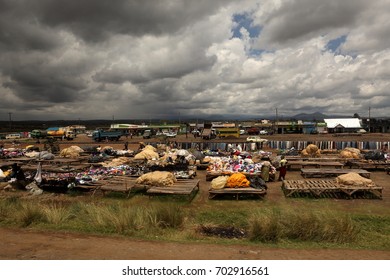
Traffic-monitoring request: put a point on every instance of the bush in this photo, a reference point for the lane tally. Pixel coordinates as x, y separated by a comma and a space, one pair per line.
29, 214
322, 226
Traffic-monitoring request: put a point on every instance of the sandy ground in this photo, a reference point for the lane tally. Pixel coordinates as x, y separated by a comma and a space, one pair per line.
20, 244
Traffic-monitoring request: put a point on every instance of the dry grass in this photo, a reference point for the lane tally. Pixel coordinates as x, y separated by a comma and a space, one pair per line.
286, 223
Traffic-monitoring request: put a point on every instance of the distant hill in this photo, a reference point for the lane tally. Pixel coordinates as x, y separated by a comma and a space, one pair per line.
317, 116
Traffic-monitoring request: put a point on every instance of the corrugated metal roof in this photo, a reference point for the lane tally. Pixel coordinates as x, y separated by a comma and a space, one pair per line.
346, 123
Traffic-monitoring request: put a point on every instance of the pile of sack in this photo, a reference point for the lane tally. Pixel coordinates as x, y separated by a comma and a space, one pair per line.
355, 180
311, 151
147, 153
71, 152
350, 153
157, 179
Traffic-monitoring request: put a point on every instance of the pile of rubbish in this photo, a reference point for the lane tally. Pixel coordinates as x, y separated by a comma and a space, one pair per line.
236, 164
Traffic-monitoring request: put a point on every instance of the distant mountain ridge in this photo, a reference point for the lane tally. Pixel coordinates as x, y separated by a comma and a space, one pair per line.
317, 116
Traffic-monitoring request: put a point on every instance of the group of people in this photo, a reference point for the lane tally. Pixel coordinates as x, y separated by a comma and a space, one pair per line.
265, 169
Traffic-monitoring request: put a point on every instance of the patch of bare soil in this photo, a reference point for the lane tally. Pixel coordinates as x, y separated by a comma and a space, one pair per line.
20, 244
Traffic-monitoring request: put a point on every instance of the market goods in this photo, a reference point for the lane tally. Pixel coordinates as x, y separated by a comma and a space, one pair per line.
71, 152
117, 162
219, 182
237, 180
354, 179
149, 152
157, 178
311, 151
350, 153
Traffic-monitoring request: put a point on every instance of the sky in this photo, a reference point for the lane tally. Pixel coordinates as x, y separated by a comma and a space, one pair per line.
130, 59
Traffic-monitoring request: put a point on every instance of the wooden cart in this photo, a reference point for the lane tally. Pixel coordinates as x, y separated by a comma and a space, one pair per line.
328, 189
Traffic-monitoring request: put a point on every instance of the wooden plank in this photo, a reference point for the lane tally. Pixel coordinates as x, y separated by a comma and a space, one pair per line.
186, 188
370, 165
313, 164
236, 192
323, 172
328, 188
319, 159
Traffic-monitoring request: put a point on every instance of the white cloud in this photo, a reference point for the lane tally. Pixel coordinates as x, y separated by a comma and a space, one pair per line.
174, 64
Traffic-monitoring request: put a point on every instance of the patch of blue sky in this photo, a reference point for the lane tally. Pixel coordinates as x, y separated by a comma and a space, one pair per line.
333, 45
255, 52
244, 20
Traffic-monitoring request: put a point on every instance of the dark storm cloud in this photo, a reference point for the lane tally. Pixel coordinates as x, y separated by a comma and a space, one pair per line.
95, 58
33, 86
38, 77
25, 37
174, 68
35, 34
20, 30
95, 20
296, 19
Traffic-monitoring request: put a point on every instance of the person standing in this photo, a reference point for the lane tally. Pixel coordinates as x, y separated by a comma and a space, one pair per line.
265, 168
126, 145
19, 180
282, 168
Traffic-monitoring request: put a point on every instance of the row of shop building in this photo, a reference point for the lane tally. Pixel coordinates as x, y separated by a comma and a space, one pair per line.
336, 125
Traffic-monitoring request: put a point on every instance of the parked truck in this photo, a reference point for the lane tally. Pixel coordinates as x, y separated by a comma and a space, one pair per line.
38, 134
60, 133
100, 135
207, 132
52, 133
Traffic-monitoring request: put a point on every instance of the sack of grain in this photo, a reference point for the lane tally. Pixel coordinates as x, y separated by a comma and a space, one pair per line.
304, 153
219, 182
350, 153
147, 153
117, 162
346, 154
311, 149
353, 150
354, 179
157, 178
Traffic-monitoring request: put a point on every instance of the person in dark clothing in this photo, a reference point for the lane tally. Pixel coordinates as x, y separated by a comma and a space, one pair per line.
282, 168
19, 179
126, 145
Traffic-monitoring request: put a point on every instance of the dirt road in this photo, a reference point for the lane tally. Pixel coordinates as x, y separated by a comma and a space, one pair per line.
26, 245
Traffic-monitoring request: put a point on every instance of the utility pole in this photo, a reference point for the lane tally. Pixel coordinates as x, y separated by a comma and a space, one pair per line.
276, 120
369, 119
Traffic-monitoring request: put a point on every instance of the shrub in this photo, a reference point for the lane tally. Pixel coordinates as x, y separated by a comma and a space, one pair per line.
29, 214
320, 226
55, 214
